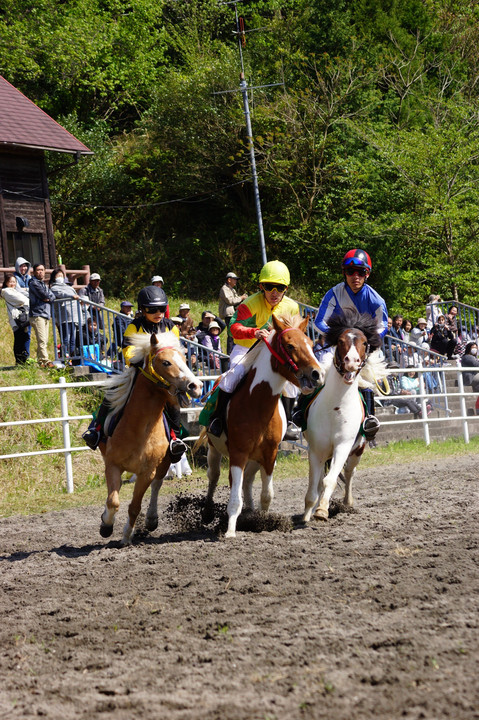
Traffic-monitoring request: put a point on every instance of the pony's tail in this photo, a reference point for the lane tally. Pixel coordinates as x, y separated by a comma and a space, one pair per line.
201, 442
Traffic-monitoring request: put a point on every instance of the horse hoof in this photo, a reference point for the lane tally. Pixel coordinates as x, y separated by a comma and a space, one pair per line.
321, 515
151, 523
106, 530
230, 534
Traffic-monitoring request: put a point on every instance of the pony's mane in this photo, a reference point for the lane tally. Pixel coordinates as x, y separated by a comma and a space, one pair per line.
351, 318
118, 387
142, 344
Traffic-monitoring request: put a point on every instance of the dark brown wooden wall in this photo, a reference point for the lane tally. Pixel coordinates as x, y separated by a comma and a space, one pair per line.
24, 192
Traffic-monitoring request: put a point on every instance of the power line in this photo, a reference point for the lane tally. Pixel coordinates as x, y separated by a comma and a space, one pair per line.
191, 199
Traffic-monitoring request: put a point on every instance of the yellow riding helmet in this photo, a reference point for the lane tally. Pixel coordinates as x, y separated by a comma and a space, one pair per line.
274, 271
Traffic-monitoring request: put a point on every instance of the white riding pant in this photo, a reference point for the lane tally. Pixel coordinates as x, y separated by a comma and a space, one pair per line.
237, 371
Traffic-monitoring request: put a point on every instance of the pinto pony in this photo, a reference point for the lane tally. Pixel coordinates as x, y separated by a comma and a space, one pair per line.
139, 443
256, 420
336, 414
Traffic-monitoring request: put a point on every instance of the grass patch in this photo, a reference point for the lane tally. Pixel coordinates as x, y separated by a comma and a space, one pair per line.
38, 484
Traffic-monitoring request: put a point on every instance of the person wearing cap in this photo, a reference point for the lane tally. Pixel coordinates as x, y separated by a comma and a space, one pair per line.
229, 300
420, 335
187, 327
95, 294
152, 302
120, 323
157, 281
206, 317
252, 322
354, 292
212, 341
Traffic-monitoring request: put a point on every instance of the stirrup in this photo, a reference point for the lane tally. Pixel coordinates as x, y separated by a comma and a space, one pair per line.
177, 449
370, 427
92, 438
216, 427
292, 432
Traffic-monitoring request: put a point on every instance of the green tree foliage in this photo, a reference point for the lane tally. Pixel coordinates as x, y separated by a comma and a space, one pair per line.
372, 139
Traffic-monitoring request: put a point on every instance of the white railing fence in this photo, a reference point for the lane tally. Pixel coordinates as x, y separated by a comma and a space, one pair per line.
63, 387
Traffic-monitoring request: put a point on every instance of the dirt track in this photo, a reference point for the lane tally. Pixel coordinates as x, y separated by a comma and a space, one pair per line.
372, 615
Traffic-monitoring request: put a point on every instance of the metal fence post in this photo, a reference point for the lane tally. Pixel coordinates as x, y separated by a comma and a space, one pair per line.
422, 392
66, 434
460, 387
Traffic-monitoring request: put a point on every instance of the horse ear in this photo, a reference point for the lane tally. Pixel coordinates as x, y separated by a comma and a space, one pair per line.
303, 324
153, 340
277, 324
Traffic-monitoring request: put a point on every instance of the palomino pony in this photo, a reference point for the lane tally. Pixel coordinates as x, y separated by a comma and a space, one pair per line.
256, 421
336, 414
139, 443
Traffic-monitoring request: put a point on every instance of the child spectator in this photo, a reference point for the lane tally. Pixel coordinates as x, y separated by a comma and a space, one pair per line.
211, 340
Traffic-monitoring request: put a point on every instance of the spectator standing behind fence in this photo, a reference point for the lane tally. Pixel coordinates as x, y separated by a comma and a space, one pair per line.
23, 277
206, 318
470, 360
228, 302
41, 298
442, 339
432, 311
396, 331
94, 293
211, 340
66, 313
120, 323
22, 274
17, 302
187, 328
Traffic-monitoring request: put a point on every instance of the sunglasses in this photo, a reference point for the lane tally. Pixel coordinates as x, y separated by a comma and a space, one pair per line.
274, 286
153, 309
362, 272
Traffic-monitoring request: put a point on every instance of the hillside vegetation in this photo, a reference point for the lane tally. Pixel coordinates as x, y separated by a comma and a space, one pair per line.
372, 140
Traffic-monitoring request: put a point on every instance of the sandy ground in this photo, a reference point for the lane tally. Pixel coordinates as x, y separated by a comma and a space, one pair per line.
373, 614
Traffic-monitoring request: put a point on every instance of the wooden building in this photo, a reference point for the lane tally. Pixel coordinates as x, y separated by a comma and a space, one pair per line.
26, 132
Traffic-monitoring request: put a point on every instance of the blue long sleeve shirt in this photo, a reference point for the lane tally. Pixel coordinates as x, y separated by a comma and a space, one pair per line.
340, 297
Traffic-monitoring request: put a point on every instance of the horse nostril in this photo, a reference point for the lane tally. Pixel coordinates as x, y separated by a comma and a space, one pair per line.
315, 375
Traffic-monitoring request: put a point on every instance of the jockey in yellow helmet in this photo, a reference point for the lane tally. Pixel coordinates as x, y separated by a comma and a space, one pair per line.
250, 323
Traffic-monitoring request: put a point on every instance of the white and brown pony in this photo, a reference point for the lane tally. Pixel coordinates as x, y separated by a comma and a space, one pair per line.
256, 420
336, 414
139, 443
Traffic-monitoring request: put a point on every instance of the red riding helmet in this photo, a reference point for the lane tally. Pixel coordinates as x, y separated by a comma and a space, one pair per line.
357, 257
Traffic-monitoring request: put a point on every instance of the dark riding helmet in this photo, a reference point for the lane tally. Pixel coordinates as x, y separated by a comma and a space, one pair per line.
358, 258
152, 296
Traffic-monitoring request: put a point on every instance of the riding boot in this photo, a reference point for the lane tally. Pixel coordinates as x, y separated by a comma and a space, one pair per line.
218, 416
292, 431
370, 427
176, 427
94, 435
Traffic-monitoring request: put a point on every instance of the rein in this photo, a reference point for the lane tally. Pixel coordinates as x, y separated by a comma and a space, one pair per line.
286, 358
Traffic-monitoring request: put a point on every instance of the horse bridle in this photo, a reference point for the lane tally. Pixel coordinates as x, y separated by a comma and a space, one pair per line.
337, 362
286, 358
151, 374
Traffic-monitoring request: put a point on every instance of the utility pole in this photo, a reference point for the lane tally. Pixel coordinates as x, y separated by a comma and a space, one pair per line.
254, 174
240, 33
